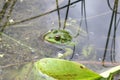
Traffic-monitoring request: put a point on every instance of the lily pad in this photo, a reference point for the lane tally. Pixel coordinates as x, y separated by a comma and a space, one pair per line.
30, 72
65, 70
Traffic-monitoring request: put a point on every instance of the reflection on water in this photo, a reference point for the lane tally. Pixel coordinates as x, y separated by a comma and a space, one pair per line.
22, 25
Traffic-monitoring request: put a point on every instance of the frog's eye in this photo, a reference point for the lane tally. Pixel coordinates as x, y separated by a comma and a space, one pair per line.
57, 37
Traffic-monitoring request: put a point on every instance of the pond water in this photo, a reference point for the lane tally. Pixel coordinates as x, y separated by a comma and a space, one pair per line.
22, 38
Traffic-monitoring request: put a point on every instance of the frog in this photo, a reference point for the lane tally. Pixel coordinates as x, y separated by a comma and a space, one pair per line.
58, 37
63, 39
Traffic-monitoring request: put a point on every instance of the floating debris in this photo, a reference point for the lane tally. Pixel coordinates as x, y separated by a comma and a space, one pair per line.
1, 55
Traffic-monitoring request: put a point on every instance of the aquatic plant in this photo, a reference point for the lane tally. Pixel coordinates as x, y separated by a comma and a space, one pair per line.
4, 20
59, 69
113, 24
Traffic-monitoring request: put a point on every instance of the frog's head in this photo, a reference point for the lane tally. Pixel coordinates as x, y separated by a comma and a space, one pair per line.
58, 37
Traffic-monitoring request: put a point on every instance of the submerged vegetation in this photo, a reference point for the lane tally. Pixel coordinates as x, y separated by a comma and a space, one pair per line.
22, 46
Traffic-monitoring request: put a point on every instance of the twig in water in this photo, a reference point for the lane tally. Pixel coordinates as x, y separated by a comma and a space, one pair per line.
58, 11
66, 17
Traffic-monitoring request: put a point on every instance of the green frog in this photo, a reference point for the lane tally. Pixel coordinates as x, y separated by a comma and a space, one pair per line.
63, 38
58, 37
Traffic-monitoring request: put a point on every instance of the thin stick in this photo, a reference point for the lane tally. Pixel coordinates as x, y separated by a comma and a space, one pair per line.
114, 35
57, 5
109, 32
8, 16
108, 2
66, 17
108, 36
4, 9
85, 18
81, 20
73, 53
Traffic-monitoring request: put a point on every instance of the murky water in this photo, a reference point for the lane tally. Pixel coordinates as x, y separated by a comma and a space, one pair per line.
22, 42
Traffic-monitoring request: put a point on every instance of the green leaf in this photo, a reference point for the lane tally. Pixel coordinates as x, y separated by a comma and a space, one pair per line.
65, 70
29, 72
109, 74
